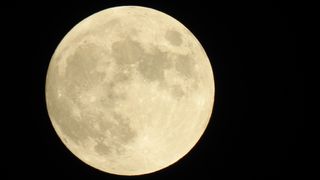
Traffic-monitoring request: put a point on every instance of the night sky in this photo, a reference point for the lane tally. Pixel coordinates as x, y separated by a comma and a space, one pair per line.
257, 126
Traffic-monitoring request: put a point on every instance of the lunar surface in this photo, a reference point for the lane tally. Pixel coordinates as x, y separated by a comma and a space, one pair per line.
129, 90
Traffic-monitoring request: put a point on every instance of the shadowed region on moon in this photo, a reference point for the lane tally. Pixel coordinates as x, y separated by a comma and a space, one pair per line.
123, 102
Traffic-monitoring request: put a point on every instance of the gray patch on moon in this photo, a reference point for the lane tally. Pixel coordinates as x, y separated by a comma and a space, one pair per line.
111, 95
102, 149
83, 129
126, 52
79, 131
120, 134
111, 24
184, 64
123, 131
177, 91
173, 37
152, 66
121, 77
81, 74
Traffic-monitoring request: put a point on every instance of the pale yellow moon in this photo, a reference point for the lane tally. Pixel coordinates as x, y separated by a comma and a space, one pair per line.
129, 90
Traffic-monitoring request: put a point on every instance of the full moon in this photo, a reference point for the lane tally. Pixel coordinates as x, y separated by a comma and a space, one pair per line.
129, 90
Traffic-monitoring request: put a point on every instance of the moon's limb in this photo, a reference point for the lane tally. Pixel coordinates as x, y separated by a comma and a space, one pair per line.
129, 90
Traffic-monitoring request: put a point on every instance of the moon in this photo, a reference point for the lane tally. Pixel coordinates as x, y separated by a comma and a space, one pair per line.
129, 90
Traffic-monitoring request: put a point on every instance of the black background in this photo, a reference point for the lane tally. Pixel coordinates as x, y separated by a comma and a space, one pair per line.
257, 125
